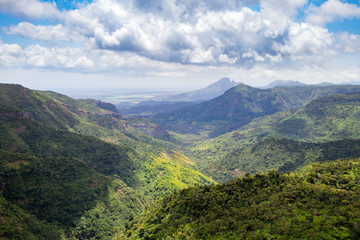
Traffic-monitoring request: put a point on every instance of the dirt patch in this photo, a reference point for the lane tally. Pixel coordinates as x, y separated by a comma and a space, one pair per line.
95, 183
15, 115
19, 130
13, 148
237, 172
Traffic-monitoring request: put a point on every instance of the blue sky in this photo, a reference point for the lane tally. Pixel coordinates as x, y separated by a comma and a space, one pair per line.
102, 45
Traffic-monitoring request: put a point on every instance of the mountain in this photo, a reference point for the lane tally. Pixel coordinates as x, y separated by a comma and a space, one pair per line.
176, 101
212, 91
329, 118
240, 105
79, 166
321, 202
283, 83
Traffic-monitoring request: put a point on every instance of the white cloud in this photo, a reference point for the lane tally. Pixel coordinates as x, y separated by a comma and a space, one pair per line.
305, 41
349, 43
332, 10
29, 8
117, 35
44, 32
12, 55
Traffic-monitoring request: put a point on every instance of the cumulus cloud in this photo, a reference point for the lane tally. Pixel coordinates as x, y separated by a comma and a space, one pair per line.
171, 32
29, 8
332, 10
202, 32
349, 43
306, 41
43, 57
43, 32
85, 60
189, 32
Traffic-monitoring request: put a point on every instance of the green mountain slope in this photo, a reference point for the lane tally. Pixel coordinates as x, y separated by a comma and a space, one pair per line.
80, 166
240, 105
323, 202
329, 118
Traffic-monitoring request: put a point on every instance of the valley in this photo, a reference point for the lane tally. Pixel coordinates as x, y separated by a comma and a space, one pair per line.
228, 161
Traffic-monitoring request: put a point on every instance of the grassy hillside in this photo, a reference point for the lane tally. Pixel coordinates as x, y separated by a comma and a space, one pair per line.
170, 172
240, 105
322, 202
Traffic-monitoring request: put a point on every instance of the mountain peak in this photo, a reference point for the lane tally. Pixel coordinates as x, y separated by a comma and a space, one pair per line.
222, 85
283, 83
212, 91
224, 80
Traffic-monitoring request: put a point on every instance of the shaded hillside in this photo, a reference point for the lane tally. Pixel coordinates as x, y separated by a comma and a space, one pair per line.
18, 224
283, 155
319, 203
240, 105
29, 137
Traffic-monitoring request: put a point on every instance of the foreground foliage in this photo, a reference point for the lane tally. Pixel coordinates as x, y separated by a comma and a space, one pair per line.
322, 202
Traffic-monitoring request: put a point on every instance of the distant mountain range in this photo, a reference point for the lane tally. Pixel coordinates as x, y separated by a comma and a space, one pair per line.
175, 101
291, 83
212, 91
239, 105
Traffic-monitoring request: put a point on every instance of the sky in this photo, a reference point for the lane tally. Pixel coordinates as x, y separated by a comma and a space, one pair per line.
122, 45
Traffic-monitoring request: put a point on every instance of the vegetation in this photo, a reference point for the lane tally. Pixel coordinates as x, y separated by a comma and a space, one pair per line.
54, 189
324, 119
78, 166
170, 172
322, 202
18, 224
77, 169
